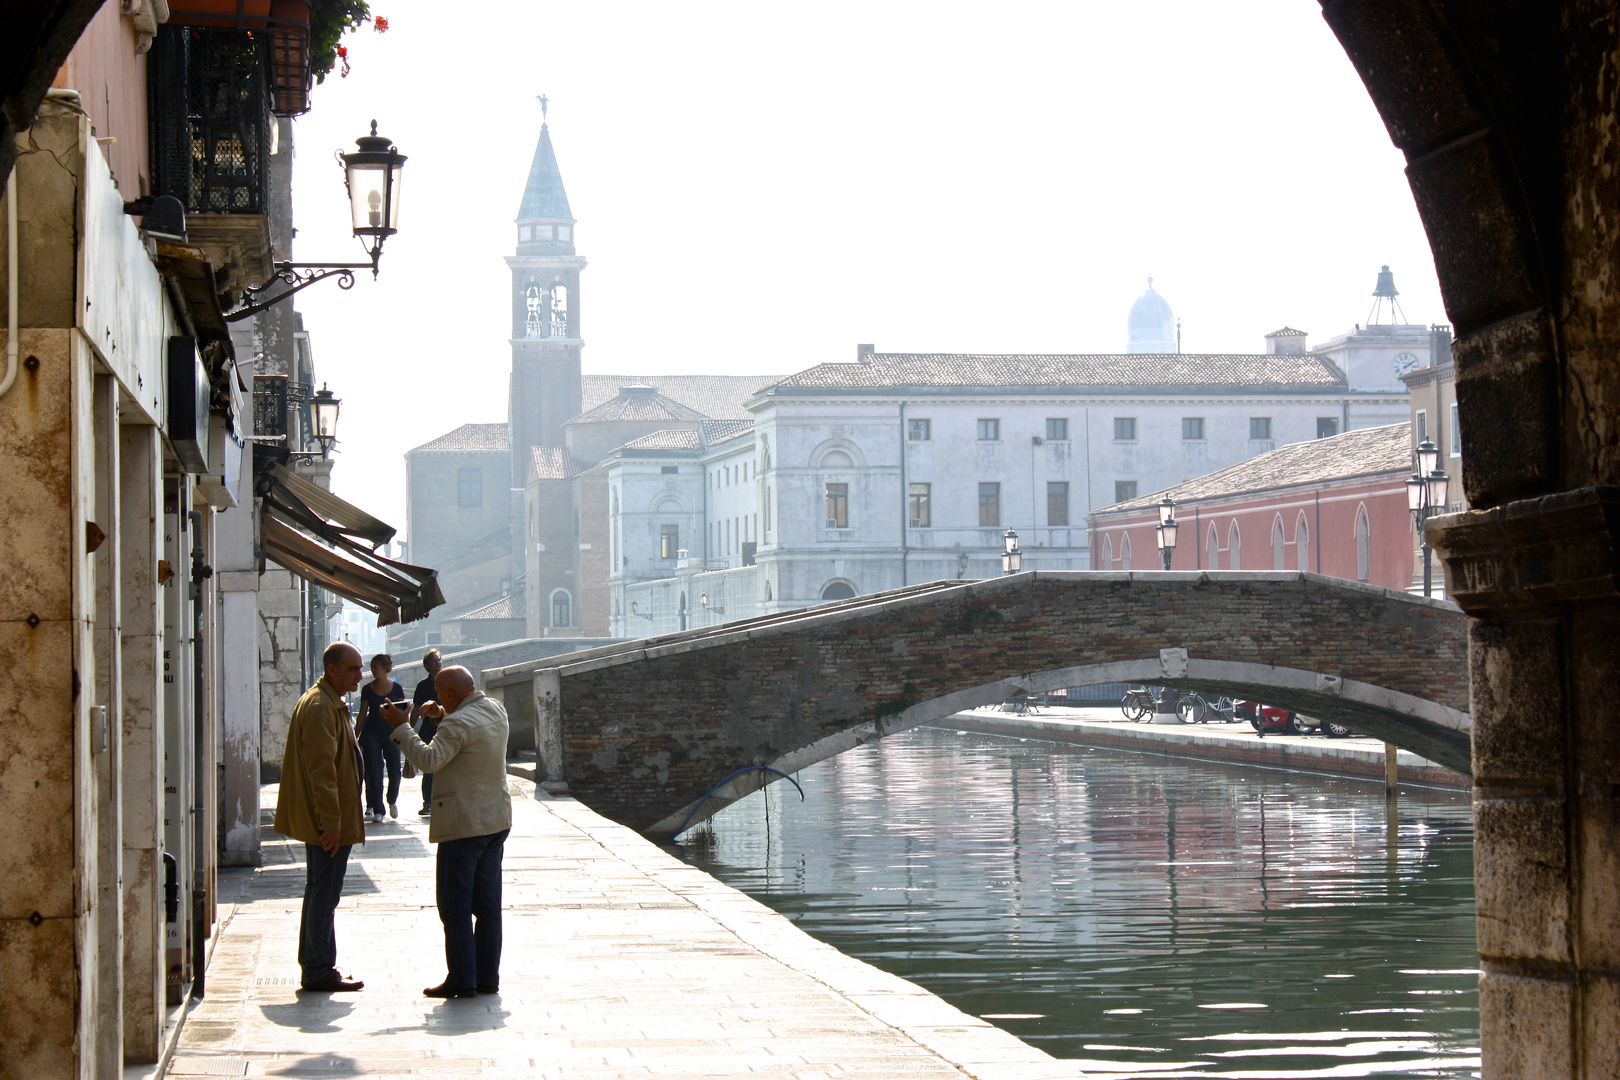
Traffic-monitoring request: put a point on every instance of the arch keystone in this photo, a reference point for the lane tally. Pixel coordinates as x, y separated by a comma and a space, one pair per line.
1173, 663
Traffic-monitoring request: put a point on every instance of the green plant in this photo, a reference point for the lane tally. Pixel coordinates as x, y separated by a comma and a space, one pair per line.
329, 20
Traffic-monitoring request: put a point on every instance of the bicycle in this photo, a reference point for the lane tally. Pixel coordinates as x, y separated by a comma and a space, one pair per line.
1139, 703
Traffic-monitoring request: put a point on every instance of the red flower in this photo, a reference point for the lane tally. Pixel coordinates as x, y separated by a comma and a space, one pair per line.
343, 55
381, 23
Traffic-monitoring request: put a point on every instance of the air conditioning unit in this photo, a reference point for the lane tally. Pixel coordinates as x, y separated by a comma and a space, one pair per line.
832, 523
916, 523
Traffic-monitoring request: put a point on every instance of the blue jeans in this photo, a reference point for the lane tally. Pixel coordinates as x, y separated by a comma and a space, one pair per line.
376, 748
469, 887
323, 886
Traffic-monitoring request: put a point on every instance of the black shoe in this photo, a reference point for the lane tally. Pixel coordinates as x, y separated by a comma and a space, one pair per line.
426, 811
334, 982
489, 989
445, 990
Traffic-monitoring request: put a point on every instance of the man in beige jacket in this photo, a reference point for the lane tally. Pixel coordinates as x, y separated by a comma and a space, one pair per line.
320, 805
472, 813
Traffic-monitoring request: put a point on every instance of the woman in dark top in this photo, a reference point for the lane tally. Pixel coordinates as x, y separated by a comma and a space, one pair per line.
376, 747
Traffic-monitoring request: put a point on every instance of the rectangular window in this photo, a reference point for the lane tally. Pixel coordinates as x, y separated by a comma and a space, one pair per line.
918, 430
1456, 435
1124, 490
989, 503
669, 541
919, 511
1327, 427
989, 430
1057, 430
1420, 425
469, 487
1124, 429
669, 470
1057, 502
1192, 427
837, 506
1259, 427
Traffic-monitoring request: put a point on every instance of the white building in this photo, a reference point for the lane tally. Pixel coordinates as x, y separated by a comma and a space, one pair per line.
902, 468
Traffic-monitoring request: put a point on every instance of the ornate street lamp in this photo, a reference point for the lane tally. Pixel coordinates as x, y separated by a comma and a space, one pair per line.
961, 565
1012, 560
372, 175
325, 407
703, 599
1167, 529
635, 609
1426, 495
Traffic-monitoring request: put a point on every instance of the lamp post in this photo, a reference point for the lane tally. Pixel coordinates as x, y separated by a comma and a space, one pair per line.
703, 599
325, 407
635, 609
1426, 493
961, 565
372, 175
1012, 560
1167, 529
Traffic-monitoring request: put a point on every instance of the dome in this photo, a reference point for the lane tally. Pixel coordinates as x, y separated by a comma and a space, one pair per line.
1152, 324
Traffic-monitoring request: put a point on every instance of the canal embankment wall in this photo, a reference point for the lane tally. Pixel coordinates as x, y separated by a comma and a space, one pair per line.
1361, 759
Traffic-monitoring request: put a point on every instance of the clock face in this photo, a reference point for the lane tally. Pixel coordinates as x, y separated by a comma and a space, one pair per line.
1405, 363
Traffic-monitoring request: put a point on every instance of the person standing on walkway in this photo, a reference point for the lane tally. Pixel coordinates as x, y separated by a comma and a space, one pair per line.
431, 663
472, 814
375, 746
319, 804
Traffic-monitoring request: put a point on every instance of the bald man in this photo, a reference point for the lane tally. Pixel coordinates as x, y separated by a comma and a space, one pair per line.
319, 804
472, 813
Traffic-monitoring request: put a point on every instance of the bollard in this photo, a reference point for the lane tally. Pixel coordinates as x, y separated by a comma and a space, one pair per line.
1164, 709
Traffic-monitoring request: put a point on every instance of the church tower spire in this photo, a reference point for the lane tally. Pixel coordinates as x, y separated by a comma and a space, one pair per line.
547, 388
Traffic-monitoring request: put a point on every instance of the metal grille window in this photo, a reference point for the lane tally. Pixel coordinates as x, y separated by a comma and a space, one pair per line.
469, 487
1192, 428
210, 120
918, 511
1057, 430
837, 506
989, 504
1057, 502
989, 430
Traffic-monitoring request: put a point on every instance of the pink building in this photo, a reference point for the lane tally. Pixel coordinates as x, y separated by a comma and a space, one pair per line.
1334, 506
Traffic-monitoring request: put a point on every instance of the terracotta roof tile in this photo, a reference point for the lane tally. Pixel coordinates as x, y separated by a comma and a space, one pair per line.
1367, 452
637, 402
1078, 372
507, 607
719, 431
556, 463
665, 440
718, 397
470, 437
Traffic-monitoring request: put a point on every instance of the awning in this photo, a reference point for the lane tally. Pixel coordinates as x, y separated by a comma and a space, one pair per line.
332, 543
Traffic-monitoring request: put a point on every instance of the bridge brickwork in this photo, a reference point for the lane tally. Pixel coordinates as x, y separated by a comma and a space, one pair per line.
640, 732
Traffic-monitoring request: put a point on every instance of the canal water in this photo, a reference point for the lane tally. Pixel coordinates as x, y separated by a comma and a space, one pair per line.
1142, 916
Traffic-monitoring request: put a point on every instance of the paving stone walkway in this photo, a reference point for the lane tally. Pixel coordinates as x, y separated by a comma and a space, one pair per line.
620, 961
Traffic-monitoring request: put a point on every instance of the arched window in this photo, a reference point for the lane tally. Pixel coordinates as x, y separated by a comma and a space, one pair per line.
559, 310
1302, 543
1212, 549
562, 608
1363, 545
764, 456
838, 590
1125, 552
533, 323
1279, 545
1107, 553
1234, 548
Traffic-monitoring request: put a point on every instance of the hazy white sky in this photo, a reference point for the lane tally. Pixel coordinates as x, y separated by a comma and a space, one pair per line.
760, 187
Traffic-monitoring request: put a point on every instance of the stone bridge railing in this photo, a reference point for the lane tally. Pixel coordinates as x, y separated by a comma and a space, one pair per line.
641, 731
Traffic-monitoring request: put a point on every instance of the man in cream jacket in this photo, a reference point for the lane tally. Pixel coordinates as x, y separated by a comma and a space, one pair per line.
472, 813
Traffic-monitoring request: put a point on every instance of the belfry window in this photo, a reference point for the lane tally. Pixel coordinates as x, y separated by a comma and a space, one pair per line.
559, 311
531, 317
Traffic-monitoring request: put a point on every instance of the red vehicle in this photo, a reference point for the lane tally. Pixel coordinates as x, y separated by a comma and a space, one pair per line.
1268, 720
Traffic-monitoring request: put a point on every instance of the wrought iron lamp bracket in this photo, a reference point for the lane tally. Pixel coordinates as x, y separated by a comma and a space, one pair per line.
296, 277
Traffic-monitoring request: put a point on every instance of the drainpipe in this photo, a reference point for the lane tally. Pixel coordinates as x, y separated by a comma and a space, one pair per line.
1319, 532
200, 572
905, 500
11, 283
1198, 542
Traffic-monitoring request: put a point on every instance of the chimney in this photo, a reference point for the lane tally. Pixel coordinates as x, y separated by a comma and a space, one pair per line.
863, 353
1439, 344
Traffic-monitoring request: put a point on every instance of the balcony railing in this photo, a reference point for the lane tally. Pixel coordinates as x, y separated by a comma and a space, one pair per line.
211, 119
281, 407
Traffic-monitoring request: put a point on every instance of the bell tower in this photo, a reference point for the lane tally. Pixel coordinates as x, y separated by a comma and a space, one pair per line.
547, 389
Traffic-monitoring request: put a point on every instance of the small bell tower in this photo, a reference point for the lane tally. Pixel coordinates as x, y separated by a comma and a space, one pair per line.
547, 388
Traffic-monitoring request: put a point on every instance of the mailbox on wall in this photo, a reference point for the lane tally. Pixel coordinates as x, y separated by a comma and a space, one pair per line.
189, 395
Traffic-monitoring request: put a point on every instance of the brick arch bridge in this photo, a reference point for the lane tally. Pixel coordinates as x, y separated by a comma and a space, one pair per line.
640, 731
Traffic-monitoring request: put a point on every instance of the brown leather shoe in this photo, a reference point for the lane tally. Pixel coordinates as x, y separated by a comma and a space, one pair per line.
335, 982
445, 990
